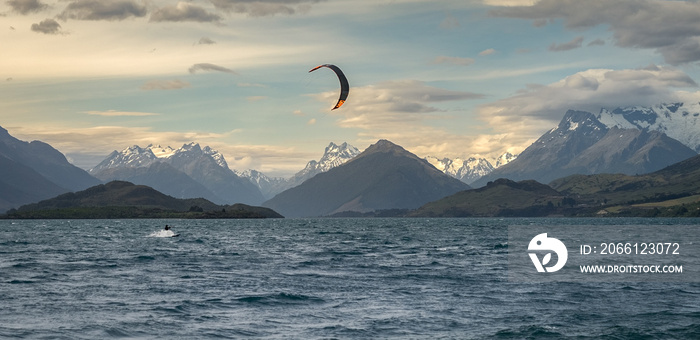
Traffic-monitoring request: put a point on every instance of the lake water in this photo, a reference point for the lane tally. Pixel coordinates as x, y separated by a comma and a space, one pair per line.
312, 279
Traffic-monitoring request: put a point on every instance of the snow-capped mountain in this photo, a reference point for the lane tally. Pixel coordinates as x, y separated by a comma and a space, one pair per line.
269, 186
136, 157
468, 170
582, 144
188, 172
384, 176
680, 121
161, 152
333, 156
194, 150
131, 157
505, 159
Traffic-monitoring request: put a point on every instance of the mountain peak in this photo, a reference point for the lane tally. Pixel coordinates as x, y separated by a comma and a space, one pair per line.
627, 140
192, 146
333, 156
131, 157
161, 152
190, 171
384, 146
34, 171
384, 176
467, 171
574, 120
505, 159
680, 121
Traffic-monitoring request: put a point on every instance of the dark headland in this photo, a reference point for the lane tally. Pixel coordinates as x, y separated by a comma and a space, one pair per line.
119, 199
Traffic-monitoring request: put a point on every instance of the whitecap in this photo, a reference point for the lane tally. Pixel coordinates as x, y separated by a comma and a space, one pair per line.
162, 233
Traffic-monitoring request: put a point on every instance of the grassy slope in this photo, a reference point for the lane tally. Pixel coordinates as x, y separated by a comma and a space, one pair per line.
499, 198
679, 180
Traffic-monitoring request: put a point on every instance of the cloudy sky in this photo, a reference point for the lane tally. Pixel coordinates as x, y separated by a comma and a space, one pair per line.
449, 78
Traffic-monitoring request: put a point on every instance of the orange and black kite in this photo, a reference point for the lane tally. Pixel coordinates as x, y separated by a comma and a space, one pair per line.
344, 86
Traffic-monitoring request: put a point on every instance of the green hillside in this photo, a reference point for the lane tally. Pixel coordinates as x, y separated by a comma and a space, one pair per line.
679, 180
671, 192
501, 197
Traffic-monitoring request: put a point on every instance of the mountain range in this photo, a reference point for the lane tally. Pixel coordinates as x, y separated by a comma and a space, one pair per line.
680, 121
673, 191
32, 171
187, 172
384, 176
470, 169
678, 180
629, 141
583, 144
334, 155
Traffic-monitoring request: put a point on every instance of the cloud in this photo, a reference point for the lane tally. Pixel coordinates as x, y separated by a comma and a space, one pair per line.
453, 60
210, 67
486, 52
87, 146
669, 27
597, 42
311, 121
260, 8
91, 145
47, 26
393, 105
205, 41
250, 85
115, 113
27, 6
256, 98
174, 84
573, 44
102, 10
526, 115
184, 11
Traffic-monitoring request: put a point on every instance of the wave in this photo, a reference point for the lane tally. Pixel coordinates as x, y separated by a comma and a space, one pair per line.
162, 233
530, 332
280, 299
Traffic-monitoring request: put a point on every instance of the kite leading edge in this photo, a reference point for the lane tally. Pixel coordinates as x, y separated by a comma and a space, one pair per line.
344, 86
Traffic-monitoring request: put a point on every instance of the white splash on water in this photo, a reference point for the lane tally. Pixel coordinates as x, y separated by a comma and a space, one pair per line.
162, 233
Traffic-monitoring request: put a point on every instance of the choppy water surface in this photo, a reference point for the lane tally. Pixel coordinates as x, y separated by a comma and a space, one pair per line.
310, 278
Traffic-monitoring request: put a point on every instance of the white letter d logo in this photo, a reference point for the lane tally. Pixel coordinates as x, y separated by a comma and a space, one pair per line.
542, 242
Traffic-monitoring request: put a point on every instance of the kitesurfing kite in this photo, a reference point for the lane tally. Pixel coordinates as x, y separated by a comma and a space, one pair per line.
344, 86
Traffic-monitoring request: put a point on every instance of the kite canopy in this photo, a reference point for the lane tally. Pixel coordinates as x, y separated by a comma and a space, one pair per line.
344, 86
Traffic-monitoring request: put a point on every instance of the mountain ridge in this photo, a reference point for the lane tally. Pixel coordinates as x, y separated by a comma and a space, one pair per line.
502, 197
680, 121
31, 171
333, 155
384, 176
583, 144
192, 171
